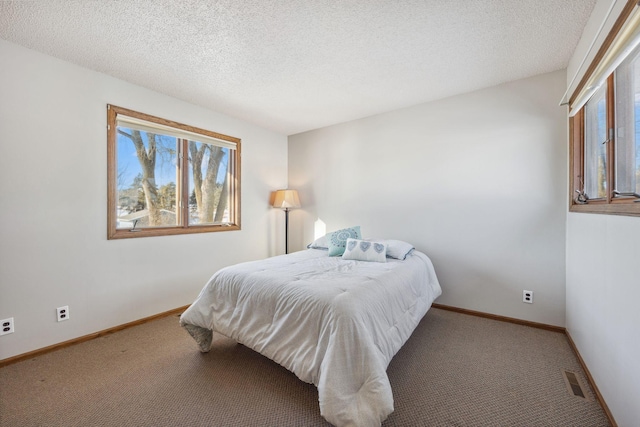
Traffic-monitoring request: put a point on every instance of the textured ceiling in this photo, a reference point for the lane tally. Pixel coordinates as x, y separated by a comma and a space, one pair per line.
297, 65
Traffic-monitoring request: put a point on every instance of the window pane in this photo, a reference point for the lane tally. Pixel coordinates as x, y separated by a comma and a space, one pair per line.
628, 126
146, 179
208, 188
595, 162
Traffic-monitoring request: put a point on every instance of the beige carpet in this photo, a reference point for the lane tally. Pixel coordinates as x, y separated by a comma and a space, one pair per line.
455, 370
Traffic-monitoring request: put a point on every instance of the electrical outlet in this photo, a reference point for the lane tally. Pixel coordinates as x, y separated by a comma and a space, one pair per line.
7, 326
63, 313
527, 296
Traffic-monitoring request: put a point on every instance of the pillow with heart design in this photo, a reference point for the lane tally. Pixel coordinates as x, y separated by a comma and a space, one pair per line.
365, 250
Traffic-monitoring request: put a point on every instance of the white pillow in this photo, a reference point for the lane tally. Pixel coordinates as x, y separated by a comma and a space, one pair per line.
396, 248
365, 250
319, 243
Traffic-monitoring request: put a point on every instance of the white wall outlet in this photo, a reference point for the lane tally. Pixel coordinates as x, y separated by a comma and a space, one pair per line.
7, 326
63, 313
527, 296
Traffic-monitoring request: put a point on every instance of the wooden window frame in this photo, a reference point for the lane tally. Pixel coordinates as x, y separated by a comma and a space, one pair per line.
610, 205
184, 227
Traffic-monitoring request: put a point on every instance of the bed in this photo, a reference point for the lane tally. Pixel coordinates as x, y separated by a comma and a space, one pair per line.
333, 322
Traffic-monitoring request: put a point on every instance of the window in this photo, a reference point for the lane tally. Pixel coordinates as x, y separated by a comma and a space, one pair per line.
605, 126
167, 178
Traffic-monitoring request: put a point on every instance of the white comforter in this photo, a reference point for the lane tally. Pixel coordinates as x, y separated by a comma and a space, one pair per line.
334, 323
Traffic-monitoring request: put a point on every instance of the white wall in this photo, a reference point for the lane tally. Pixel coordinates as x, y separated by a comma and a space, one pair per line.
476, 181
603, 290
603, 283
53, 246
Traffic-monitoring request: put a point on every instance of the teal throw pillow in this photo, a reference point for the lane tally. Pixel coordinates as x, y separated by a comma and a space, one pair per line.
338, 239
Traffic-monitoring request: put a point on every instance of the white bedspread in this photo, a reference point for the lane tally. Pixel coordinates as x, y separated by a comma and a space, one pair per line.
332, 322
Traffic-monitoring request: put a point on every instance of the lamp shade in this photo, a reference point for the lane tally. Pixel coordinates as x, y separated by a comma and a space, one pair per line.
286, 199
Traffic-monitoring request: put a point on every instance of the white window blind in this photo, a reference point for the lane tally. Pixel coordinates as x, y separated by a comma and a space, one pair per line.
627, 39
145, 126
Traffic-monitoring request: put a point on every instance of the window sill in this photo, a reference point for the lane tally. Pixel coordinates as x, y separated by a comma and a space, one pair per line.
168, 231
614, 208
